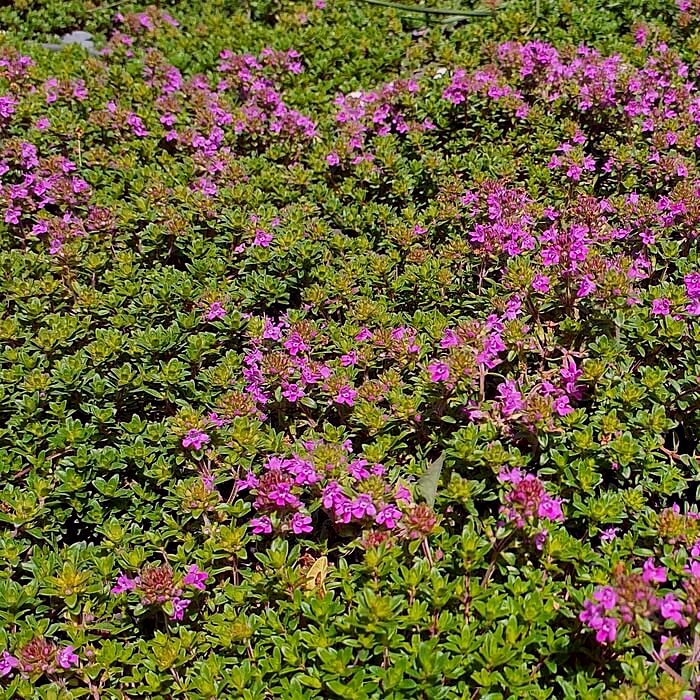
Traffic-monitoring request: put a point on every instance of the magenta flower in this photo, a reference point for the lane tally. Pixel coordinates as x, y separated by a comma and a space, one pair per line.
586, 288
216, 310
449, 340
136, 124
512, 476
262, 238
363, 507
539, 539
511, 398
540, 284
346, 395
349, 359
403, 494
179, 607
7, 663
661, 307
694, 307
295, 344
439, 371
550, 508
653, 574
195, 578
195, 439
261, 526
608, 535
66, 658
672, 609
606, 596
591, 614
607, 632
281, 495
293, 392
301, 523
216, 420
692, 285
124, 584
389, 516
561, 406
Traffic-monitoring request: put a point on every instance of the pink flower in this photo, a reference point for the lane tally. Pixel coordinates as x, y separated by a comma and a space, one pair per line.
262, 238
7, 664
640, 35
661, 307
215, 419
293, 392
539, 539
511, 398
694, 307
179, 607
607, 632
692, 285
136, 124
295, 344
388, 516
216, 310
66, 657
124, 584
332, 159
281, 495
349, 360
586, 288
653, 574
439, 371
606, 596
403, 494
513, 476
591, 614
363, 507
261, 526
195, 439
672, 609
540, 283
195, 578
449, 340
550, 508
608, 535
301, 523
561, 406
346, 395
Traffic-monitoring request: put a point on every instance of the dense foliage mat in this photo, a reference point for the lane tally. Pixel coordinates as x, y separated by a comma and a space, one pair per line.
349, 352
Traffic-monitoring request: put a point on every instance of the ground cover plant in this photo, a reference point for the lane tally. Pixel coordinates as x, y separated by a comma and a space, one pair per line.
349, 352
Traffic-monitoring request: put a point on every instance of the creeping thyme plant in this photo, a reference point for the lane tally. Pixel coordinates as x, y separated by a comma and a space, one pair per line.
346, 352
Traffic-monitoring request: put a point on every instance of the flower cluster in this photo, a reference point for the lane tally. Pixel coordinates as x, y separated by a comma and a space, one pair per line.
45, 197
526, 500
349, 491
649, 600
156, 585
362, 116
37, 657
